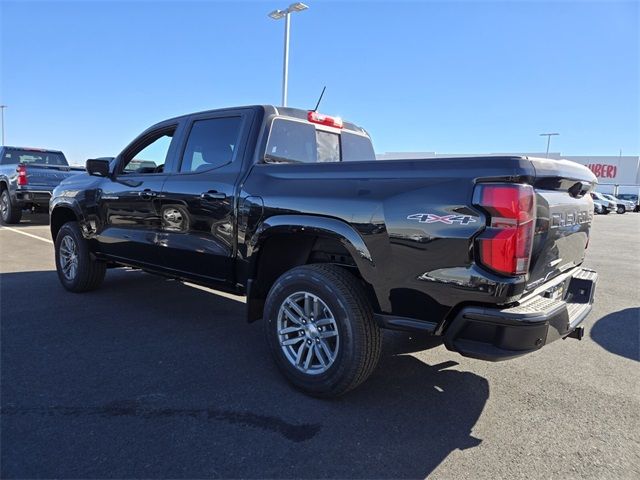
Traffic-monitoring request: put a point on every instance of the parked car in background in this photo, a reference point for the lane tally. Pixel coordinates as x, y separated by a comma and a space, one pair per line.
27, 178
602, 205
621, 205
631, 197
292, 209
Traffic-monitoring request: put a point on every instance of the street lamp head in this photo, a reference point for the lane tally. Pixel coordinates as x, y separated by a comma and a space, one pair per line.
297, 7
277, 14
548, 134
294, 7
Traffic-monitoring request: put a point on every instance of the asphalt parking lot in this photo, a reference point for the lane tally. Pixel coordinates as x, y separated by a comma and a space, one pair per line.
150, 378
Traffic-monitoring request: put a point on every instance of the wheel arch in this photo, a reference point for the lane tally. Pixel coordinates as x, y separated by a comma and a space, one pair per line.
60, 215
5, 185
286, 241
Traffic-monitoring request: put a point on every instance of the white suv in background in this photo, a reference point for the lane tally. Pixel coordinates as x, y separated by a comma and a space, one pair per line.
602, 205
621, 205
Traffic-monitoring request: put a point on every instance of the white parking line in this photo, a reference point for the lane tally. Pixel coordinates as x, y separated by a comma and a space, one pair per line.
42, 239
230, 296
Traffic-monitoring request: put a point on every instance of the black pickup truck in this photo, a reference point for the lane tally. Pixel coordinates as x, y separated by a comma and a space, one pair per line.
27, 178
291, 209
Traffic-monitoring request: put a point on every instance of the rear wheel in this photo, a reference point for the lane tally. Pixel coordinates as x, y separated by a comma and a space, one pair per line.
77, 270
320, 329
620, 209
9, 213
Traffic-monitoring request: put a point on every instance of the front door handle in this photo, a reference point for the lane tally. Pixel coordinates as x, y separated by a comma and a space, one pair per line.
147, 193
213, 195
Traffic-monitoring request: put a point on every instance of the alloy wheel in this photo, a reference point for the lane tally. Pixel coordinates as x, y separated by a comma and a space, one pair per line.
69, 257
4, 205
308, 333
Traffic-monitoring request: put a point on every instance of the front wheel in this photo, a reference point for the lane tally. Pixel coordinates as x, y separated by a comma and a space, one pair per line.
77, 270
620, 209
320, 329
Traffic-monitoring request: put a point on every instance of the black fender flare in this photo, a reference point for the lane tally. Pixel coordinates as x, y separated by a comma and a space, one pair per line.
69, 204
313, 225
4, 179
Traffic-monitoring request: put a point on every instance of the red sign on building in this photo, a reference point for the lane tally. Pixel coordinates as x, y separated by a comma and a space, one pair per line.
603, 170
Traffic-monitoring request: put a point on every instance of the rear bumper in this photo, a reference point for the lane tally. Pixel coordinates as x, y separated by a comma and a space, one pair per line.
605, 208
29, 197
500, 334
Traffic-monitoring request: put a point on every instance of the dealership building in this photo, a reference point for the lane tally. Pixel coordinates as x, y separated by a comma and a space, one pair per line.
616, 173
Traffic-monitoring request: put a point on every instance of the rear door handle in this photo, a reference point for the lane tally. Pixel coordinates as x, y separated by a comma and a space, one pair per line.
213, 195
147, 194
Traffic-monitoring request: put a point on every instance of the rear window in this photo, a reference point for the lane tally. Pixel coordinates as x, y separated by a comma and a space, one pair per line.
628, 196
300, 142
328, 146
33, 157
357, 148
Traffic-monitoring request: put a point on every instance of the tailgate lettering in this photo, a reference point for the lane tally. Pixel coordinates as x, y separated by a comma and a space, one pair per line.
567, 219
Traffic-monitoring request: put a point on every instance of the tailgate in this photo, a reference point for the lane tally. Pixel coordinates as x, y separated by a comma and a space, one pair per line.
564, 214
48, 175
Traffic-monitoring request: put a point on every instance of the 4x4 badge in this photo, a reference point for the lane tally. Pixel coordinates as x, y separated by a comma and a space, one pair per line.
448, 219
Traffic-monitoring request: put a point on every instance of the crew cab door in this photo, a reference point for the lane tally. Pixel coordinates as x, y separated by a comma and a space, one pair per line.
128, 202
198, 204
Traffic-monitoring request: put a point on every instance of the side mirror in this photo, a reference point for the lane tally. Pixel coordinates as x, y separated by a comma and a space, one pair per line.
98, 167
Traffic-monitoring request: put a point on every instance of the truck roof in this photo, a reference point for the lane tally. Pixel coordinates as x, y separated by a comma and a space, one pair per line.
268, 111
31, 149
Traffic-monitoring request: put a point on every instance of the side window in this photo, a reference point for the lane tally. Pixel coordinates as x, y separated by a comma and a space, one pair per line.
211, 144
292, 142
151, 156
8, 158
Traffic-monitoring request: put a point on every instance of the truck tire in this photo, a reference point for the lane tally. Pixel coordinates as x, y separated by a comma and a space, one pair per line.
9, 213
620, 209
77, 270
320, 329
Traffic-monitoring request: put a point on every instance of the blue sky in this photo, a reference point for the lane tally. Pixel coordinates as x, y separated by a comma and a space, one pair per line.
450, 77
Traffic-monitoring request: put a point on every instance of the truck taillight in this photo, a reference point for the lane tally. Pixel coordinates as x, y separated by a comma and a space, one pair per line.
505, 246
22, 175
321, 119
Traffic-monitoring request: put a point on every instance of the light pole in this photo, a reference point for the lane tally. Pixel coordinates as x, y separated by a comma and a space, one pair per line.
2, 107
548, 135
286, 14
